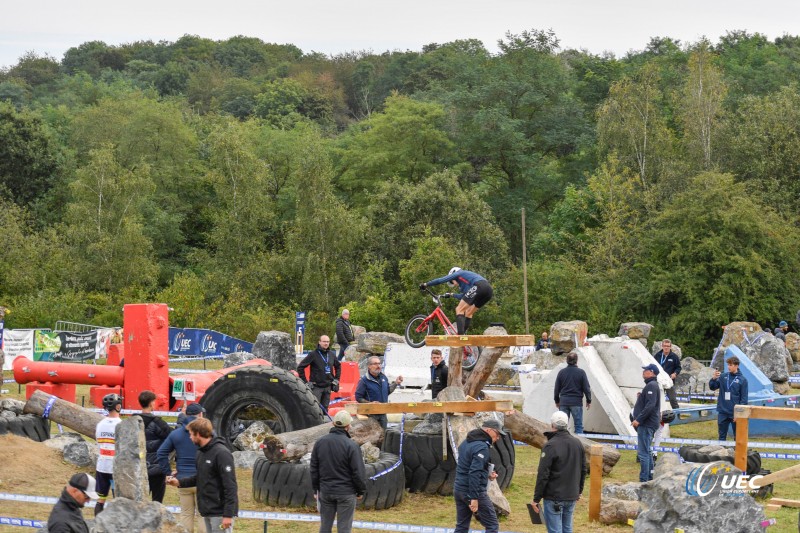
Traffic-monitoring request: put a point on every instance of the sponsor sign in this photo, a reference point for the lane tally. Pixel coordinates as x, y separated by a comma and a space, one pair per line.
64, 346
204, 342
17, 342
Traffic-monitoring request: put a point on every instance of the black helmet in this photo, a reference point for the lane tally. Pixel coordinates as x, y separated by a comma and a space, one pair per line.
111, 401
667, 417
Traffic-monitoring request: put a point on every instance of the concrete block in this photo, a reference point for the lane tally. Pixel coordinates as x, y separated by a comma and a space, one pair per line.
414, 364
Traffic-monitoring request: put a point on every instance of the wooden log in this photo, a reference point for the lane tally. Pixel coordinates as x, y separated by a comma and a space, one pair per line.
377, 408
781, 502
595, 481
65, 413
482, 370
775, 477
531, 431
479, 340
455, 372
293, 445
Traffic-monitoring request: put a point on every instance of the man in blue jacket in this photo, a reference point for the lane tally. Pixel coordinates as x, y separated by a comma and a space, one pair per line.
473, 473
374, 387
646, 419
475, 293
732, 387
185, 467
572, 385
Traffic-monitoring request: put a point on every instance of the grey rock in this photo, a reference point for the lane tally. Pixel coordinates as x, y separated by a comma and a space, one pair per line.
251, 438
130, 466
565, 336
503, 374
245, 459
545, 359
10, 404
59, 442
276, 347
375, 342
236, 359
495, 330
656, 347
667, 505
122, 515
635, 330
430, 425
8, 414
666, 464
793, 345
694, 376
769, 354
617, 511
352, 353
370, 452
782, 388
358, 330
622, 491
80, 453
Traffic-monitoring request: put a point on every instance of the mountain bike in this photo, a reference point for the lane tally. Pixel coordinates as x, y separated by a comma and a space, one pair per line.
421, 326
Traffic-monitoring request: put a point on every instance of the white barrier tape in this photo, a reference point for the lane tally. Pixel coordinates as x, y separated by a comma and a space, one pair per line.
21, 522
399, 455
256, 515
764, 455
4, 391
9, 381
190, 371
138, 412
730, 443
792, 379
194, 358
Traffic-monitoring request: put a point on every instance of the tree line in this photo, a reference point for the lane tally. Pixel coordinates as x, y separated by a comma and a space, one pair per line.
239, 181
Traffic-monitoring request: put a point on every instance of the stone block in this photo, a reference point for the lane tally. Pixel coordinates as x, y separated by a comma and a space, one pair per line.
122, 515
564, 336
276, 347
81, 454
237, 358
375, 342
130, 465
793, 345
251, 438
245, 459
635, 330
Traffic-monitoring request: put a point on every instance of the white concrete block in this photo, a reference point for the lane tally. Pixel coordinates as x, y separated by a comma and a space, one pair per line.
414, 364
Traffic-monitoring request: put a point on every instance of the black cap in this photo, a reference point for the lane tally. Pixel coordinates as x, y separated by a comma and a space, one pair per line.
195, 409
495, 425
86, 484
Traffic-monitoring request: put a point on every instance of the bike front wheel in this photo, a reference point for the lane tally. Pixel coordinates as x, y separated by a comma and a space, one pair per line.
417, 329
471, 355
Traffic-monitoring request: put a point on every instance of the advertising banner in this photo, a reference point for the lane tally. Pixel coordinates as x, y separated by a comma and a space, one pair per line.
64, 346
204, 342
17, 342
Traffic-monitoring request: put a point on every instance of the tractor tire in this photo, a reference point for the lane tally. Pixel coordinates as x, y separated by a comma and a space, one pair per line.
427, 472
691, 454
289, 484
33, 427
266, 393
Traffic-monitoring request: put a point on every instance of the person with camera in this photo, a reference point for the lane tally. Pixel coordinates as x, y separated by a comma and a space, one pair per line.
326, 370
559, 480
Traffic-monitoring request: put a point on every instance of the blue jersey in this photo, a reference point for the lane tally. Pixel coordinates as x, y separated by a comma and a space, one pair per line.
465, 279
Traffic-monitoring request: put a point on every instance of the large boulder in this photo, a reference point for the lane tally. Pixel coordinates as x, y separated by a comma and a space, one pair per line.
770, 355
80, 453
694, 376
237, 358
566, 336
358, 330
130, 465
246, 459
736, 333
615, 511
793, 345
375, 342
276, 347
656, 347
544, 359
10, 404
122, 515
635, 330
251, 438
59, 442
503, 374
667, 506
352, 353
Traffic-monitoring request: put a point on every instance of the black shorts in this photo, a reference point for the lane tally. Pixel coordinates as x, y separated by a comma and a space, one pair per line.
479, 294
103, 485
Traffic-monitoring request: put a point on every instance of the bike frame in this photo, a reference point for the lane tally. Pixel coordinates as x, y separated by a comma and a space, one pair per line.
439, 315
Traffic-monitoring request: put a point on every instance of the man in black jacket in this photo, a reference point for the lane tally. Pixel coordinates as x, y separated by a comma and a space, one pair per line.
66, 516
571, 386
337, 475
438, 373
646, 419
344, 333
325, 368
562, 471
155, 431
217, 498
671, 364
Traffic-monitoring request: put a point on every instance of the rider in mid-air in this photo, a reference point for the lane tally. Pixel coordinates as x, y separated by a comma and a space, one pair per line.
475, 293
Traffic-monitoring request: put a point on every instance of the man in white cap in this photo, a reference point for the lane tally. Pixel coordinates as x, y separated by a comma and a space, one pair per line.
562, 471
66, 516
337, 475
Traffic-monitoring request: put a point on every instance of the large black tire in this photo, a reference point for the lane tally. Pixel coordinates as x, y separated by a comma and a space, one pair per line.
265, 393
412, 338
427, 472
691, 454
289, 484
33, 427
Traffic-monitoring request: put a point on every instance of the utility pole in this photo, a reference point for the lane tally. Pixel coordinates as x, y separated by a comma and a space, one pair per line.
525, 273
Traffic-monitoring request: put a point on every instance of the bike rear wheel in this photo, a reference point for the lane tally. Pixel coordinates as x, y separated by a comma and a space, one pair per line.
414, 338
471, 355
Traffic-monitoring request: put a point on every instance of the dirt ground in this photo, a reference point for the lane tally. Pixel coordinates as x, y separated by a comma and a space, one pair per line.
30, 467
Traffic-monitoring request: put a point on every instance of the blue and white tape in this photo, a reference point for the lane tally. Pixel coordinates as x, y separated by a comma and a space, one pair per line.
729, 443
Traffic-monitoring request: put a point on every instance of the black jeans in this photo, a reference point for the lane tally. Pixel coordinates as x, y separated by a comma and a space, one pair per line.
342, 507
158, 486
485, 515
322, 394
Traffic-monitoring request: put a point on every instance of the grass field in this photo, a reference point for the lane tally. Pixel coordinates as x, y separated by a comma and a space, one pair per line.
415, 509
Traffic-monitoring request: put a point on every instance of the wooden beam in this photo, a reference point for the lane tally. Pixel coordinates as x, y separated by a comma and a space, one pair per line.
780, 502
766, 413
595, 481
428, 407
480, 340
780, 475
742, 434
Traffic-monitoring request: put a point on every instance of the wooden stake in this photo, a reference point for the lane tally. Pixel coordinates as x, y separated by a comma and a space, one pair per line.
595, 481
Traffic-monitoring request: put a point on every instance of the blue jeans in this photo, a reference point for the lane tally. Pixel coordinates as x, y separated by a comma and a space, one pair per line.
485, 515
576, 412
342, 347
558, 515
644, 452
723, 422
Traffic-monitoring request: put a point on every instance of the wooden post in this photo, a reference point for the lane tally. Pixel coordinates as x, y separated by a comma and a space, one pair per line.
741, 414
595, 481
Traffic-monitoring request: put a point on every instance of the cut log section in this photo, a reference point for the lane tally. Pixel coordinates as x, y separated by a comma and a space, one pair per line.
293, 445
482, 370
65, 413
479, 340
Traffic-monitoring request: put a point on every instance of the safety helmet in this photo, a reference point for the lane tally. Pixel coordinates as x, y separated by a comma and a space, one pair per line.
454, 269
111, 401
667, 416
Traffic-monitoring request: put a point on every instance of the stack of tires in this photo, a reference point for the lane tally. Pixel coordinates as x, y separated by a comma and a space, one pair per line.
289, 484
425, 469
693, 454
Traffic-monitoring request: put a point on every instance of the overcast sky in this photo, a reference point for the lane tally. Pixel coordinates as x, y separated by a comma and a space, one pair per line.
333, 26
